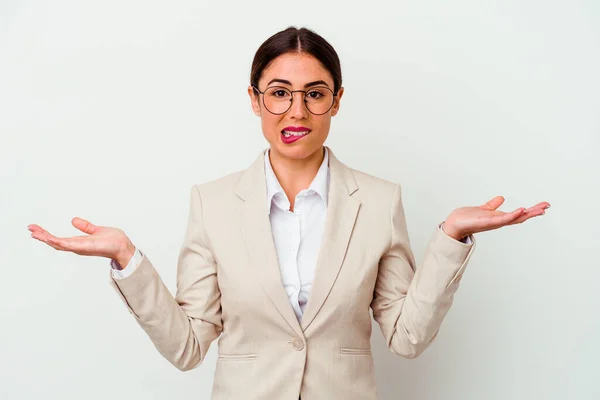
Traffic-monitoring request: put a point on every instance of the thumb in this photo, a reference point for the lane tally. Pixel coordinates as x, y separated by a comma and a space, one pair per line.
493, 203
84, 226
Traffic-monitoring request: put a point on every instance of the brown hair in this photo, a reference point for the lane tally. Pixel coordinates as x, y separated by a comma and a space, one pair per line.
294, 40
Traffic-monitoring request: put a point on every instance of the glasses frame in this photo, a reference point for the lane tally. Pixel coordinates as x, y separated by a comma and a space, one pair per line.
292, 98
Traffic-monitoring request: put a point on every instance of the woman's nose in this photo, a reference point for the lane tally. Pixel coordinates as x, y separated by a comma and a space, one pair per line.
298, 107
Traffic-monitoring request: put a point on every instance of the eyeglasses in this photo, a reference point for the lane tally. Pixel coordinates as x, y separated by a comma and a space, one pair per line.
278, 100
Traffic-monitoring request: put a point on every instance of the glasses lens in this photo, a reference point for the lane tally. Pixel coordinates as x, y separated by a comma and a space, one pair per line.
277, 99
319, 100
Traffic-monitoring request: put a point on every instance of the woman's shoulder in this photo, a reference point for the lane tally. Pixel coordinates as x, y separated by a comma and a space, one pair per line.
372, 183
367, 181
220, 185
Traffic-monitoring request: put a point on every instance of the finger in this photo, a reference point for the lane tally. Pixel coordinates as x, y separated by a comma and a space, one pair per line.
81, 245
50, 241
529, 214
515, 214
538, 209
36, 228
41, 233
500, 220
493, 203
494, 221
84, 225
74, 244
540, 206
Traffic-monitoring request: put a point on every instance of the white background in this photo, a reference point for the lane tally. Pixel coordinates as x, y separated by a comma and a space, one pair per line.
111, 110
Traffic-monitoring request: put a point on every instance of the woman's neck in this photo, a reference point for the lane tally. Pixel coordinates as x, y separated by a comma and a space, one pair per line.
295, 175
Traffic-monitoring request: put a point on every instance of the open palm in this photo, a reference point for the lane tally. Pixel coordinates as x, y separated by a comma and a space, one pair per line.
465, 221
102, 241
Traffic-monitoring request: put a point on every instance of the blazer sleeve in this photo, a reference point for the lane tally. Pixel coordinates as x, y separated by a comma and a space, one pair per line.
410, 301
181, 327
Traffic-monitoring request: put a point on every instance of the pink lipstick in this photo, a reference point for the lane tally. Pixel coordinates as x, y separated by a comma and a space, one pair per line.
291, 134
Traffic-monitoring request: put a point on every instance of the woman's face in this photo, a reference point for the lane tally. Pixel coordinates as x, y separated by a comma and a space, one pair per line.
295, 71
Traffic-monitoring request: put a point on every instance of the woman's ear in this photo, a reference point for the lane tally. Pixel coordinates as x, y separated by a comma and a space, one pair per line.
254, 100
336, 102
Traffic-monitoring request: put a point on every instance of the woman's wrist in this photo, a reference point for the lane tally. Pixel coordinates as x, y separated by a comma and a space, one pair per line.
125, 254
453, 232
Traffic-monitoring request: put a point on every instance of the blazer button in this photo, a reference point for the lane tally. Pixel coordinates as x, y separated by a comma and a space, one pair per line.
297, 344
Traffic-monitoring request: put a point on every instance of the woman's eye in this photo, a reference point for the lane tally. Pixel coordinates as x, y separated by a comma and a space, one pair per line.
313, 94
280, 93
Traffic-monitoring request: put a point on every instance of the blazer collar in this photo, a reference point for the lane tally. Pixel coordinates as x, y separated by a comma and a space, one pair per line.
342, 210
253, 178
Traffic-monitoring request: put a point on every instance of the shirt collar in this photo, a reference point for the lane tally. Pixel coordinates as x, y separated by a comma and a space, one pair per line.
320, 183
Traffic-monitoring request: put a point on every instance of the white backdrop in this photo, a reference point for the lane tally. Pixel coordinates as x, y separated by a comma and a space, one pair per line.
111, 110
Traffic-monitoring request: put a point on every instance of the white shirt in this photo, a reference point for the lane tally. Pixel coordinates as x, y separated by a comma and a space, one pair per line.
297, 235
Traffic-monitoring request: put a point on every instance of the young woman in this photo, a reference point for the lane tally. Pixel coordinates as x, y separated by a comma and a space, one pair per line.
283, 260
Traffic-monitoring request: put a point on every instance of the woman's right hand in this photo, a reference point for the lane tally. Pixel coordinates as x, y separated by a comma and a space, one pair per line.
102, 241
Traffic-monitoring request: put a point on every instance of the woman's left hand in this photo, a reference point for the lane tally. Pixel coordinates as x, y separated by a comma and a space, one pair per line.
466, 221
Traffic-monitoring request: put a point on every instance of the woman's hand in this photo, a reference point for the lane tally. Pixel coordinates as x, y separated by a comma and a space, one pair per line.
465, 221
102, 241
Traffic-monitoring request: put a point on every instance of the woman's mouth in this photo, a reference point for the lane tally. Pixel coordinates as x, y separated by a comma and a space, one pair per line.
292, 135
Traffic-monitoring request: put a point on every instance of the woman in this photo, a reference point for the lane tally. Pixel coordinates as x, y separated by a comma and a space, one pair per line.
284, 259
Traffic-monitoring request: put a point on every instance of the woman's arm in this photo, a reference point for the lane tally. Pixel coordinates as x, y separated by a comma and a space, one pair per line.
411, 302
181, 327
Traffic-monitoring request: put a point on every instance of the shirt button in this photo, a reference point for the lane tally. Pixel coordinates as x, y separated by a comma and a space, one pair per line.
297, 344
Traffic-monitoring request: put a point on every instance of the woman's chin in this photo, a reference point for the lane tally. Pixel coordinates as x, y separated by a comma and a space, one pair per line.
296, 151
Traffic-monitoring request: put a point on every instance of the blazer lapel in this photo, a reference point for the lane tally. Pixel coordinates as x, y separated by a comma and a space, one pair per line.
256, 230
342, 210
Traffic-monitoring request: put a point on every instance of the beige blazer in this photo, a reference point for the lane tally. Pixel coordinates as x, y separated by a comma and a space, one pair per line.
229, 284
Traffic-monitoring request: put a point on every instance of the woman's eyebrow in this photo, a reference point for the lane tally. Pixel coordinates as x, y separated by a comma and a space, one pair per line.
316, 83
286, 82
